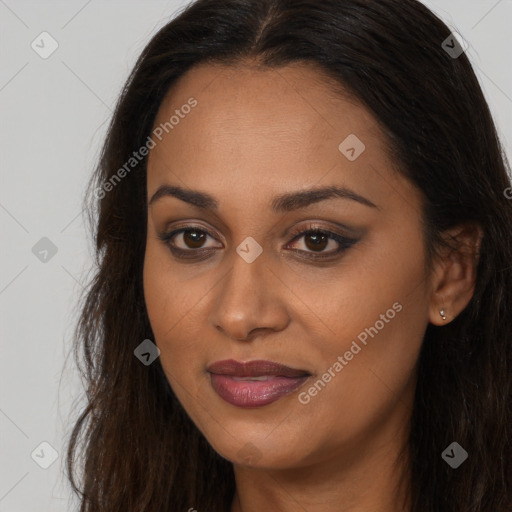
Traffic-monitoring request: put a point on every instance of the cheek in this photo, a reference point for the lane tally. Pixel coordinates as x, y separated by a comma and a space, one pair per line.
377, 319
378, 294
173, 305
170, 306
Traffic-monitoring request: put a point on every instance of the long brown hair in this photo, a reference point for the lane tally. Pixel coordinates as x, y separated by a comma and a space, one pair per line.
136, 448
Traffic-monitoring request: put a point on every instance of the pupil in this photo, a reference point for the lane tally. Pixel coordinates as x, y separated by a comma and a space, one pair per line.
318, 241
193, 239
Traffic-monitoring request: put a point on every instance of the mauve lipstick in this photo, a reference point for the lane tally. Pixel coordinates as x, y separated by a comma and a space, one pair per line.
254, 383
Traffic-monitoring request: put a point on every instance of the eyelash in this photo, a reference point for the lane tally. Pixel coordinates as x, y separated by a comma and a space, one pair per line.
344, 242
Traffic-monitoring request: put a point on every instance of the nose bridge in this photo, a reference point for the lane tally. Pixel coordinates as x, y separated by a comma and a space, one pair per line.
244, 285
246, 299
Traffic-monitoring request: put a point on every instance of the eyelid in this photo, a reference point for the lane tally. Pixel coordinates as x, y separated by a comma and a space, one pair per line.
316, 227
344, 242
167, 236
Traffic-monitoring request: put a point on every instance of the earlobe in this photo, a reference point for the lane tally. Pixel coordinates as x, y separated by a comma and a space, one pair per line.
455, 272
440, 315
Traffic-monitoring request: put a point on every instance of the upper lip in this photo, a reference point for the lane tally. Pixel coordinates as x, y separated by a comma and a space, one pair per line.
254, 369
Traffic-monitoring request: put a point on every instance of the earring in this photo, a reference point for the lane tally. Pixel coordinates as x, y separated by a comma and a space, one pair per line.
443, 314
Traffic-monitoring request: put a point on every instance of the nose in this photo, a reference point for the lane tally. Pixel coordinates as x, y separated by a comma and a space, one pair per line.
249, 301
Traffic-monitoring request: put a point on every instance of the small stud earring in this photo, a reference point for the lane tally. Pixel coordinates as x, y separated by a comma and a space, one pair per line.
443, 314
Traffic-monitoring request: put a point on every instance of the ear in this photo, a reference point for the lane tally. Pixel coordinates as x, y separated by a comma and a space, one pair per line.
454, 273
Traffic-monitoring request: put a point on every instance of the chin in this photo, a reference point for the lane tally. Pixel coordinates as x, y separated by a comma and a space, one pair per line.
254, 447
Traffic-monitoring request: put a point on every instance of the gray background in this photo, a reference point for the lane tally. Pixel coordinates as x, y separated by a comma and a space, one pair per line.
54, 114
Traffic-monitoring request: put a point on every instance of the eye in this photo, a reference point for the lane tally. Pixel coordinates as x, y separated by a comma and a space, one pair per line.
317, 240
187, 242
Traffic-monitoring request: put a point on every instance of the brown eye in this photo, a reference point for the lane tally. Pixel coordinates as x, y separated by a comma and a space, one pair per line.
187, 240
317, 240
194, 239
191, 242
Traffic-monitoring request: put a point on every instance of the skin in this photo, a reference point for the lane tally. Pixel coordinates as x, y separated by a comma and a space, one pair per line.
253, 135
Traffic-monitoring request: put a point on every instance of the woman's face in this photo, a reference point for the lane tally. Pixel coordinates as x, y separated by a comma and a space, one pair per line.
346, 312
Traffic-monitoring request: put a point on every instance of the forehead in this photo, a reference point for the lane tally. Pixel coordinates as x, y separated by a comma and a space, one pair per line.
280, 126
297, 100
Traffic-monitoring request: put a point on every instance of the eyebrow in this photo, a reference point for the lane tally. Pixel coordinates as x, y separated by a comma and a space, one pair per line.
280, 204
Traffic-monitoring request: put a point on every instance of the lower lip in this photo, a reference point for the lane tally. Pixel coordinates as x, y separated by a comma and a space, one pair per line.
254, 393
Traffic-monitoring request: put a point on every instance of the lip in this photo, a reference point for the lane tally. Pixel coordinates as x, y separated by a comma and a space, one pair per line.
234, 381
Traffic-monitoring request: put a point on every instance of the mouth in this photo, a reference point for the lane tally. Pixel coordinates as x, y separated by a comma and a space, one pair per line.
254, 383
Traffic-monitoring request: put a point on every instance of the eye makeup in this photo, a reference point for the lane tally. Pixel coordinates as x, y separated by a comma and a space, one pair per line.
192, 238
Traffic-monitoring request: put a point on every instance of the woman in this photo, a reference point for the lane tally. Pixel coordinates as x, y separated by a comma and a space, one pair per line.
304, 283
